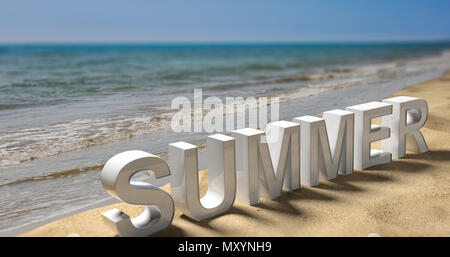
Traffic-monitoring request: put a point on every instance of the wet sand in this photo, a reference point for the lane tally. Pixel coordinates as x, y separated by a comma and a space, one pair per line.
408, 197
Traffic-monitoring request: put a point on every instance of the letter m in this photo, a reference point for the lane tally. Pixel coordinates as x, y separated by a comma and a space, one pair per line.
326, 147
271, 159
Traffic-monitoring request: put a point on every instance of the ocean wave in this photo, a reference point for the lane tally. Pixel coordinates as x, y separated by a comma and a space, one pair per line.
344, 77
55, 175
28, 83
262, 67
279, 80
36, 143
13, 106
25, 145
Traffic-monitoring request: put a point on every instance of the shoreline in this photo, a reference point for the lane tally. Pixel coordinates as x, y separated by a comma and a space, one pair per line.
52, 174
328, 209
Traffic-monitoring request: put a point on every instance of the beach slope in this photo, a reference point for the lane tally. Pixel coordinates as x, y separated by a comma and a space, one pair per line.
408, 197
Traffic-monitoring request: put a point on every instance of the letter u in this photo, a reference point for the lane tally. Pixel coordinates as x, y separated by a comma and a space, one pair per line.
183, 161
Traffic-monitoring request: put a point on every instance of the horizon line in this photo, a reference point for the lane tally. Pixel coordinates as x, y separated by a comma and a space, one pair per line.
437, 40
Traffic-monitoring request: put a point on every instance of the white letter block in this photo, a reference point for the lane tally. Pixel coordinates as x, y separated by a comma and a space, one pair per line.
319, 158
248, 164
340, 129
221, 177
409, 114
309, 149
116, 180
366, 133
280, 157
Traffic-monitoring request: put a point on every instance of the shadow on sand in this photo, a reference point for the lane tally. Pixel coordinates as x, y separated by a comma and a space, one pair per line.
431, 155
236, 210
284, 204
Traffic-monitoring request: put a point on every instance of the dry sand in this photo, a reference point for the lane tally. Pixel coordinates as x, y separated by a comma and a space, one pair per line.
408, 197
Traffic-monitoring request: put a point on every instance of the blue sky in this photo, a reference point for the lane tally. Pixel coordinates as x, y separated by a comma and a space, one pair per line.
222, 20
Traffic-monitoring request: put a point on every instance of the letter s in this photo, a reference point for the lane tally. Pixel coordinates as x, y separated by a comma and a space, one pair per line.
116, 176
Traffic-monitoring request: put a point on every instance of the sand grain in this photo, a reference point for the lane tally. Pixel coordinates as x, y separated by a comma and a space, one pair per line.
408, 197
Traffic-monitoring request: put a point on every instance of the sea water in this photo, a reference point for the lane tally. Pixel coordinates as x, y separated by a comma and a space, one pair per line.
66, 108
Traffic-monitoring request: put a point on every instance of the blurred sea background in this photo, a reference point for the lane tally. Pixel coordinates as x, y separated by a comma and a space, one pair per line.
67, 108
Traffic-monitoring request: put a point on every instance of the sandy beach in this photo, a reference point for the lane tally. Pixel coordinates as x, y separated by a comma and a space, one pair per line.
408, 197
